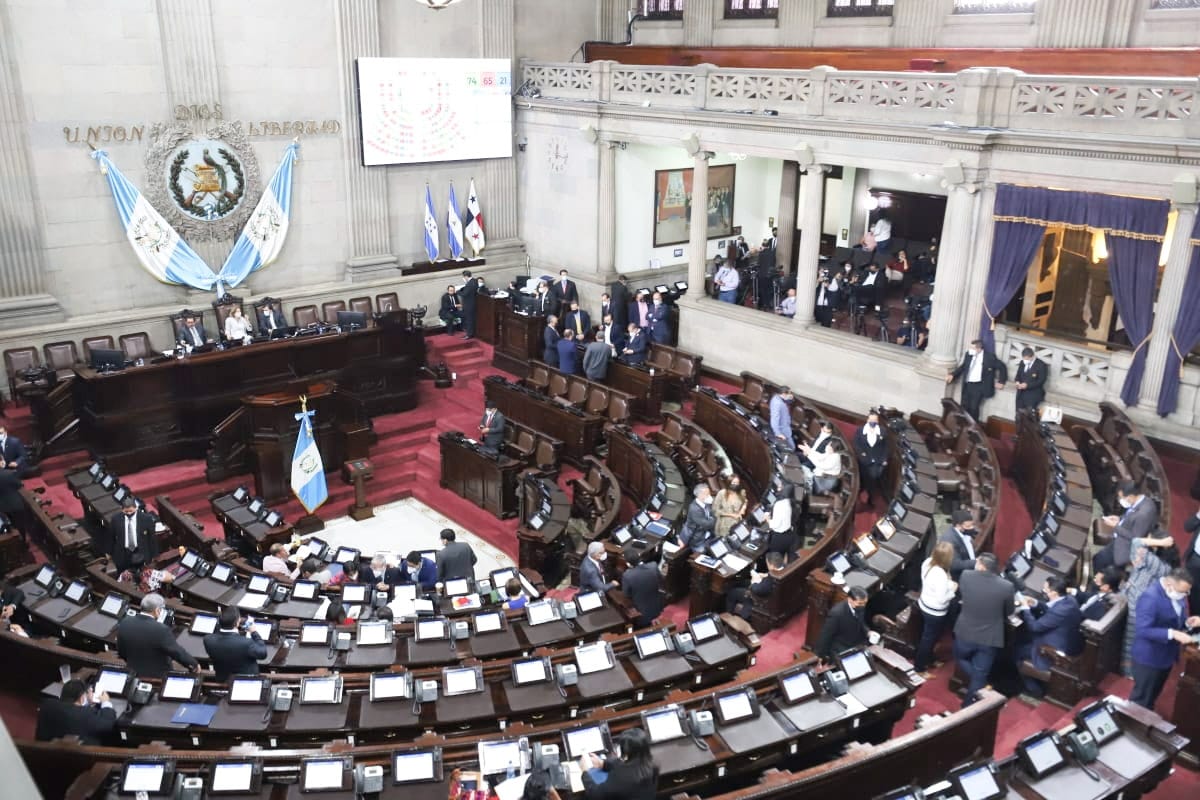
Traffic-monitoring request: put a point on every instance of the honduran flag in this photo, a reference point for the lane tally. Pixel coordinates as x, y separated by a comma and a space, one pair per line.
262, 238
454, 229
431, 228
474, 229
308, 471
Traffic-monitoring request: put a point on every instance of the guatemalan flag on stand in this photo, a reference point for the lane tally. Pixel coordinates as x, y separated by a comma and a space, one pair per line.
308, 472
454, 229
262, 238
158, 247
474, 228
431, 228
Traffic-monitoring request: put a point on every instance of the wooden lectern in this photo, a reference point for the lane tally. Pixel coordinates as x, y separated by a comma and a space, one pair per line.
340, 428
519, 342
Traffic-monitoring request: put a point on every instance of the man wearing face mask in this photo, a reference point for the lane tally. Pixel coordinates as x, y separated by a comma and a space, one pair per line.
822, 462
131, 536
148, 646
1138, 519
845, 626
780, 409
1161, 627
872, 455
700, 523
1030, 381
982, 375
591, 571
660, 331
960, 536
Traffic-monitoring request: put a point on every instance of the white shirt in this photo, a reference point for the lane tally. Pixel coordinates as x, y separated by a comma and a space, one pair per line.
936, 591
822, 300
275, 564
870, 279
827, 463
727, 278
131, 532
966, 540
975, 371
788, 306
881, 230
781, 516
872, 434
237, 327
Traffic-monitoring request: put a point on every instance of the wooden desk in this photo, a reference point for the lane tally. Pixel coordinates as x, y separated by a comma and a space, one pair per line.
579, 431
166, 410
518, 341
1187, 700
541, 543
488, 481
647, 386
487, 317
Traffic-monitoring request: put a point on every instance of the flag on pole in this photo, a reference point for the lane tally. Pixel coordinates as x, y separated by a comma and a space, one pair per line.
308, 473
454, 229
431, 228
159, 249
262, 238
474, 229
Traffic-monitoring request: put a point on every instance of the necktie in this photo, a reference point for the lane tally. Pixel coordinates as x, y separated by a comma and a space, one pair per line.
270, 320
130, 534
578, 325
195, 336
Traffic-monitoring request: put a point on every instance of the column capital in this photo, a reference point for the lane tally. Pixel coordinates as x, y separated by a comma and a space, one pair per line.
821, 169
695, 149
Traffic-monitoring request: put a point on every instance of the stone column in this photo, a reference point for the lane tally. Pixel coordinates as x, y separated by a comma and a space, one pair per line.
698, 232
785, 221
954, 245
915, 23
797, 21
189, 54
606, 210
367, 212
22, 248
1166, 310
613, 19
979, 265
1084, 23
499, 189
698, 19
812, 208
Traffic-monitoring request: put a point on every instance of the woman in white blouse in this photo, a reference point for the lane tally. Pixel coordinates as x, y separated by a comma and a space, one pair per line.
237, 327
937, 593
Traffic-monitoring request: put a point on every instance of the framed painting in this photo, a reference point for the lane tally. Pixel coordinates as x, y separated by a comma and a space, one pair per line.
673, 204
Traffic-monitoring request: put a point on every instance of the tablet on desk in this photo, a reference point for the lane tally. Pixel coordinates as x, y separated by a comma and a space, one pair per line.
590, 739
305, 590
345, 554
457, 586
651, 644
222, 573
374, 632
797, 687
390, 686
432, 630
235, 777
315, 634
462, 680
976, 782
664, 725
704, 628
325, 690
856, 664
354, 594
500, 757
77, 592
488, 622
190, 559
1040, 754
595, 657
149, 777
500, 577
250, 690
252, 601
736, 706
417, 766
325, 775
113, 606
589, 601
531, 671
1097, 719
259, 583
180, 688
265, 628
113, 682
541, 612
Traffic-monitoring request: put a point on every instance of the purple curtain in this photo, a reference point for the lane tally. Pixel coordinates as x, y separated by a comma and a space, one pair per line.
1186, 334
1013, 247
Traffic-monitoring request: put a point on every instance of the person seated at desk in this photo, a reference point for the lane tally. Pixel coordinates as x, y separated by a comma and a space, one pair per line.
845, 627
380, 575
660, 330
275, 562
591, 571
12, 451
740, 600
635, 346
419, 570
628, 773
270, 318
147, 645
132, 537
1095, 601
550, 339
577, 320
566, 352
515, 594
77, 711
235, 648
821, 462
336, 615
314, 570
350, 574
699, 527
596, 356
456, 559
642, 584
1056, 623
237, 327
385, 614
192, 333
451, 312
491, 428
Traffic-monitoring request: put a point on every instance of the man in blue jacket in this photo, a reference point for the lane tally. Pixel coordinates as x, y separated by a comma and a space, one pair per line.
566, 352
781, 416
1162, 623
1056, 623
550, 341
635, 346
420, 570
660, 330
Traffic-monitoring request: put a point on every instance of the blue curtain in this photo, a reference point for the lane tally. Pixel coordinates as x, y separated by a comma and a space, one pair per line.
1186, 334
1013, 247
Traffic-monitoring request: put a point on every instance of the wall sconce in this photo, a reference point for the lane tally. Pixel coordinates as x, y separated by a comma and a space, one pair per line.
522, 143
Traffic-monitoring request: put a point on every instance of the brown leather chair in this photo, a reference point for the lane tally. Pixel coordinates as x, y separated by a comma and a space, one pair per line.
62, 358
362, 305
686, 366
329, 311
539, 376
659, 358
136, 345
597, 400
303, 316
671, 434
18, 360
177, 323
258, 309
558, 385
618, 408
97, 343
545, 458
523, 444
387, 302
577, 390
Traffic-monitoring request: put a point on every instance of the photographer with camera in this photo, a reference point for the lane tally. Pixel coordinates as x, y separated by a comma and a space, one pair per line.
827, 298
912, 332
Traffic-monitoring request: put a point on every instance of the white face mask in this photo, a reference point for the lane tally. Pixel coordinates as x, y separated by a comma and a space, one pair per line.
602, 556
708, 501
1174, 595
1028, 362
1125, 502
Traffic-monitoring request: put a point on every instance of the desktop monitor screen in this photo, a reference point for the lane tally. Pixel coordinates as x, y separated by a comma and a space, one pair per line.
345, 554
273, 519
113, 682
498, 757
592, 739
259, 583
704, 628
976, 783
151, 777
797, 687
102, 357
374, 632
256, 505
113, 605
589, 601
305, 590
719, 548
502, 576
390, 686
489, 622
457, 586
591, 658
182, 688
351, 319
662, 726
416, 766
354, 594
234, 777
249, 690
856, 665
45, 576
324, 775
430, 630
320, 690
539, 613
314, 633
461, 681
1040, 754
532, 671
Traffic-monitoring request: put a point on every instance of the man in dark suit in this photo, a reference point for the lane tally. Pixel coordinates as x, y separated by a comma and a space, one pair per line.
872, 290
469, 293
606, 306
635, 346
698, 527
960, 535
660, 329
1056, 623
491, 427
455, 559
132, 536
1138, 519
642, 584
577, 320
147, 645
192, 332
11, 504
987, 600
871, 447
1161, 627
550, 339
77, 712
982, 375
12, 451
231, 651
591, 570
380, 575
270, 318
612, 335
419, 570
567, 355
1095, 602
564, 290
451, 311
1191, 558
544, 303
826, 300
1030, 380
845, 626
620, 299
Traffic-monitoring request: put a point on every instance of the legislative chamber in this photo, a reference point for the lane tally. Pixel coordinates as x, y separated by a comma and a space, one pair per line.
521, 399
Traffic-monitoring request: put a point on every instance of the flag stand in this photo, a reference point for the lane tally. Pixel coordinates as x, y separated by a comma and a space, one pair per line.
308, 524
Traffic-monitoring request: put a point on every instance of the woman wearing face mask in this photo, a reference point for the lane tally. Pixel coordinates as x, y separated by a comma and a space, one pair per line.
628, 773
729, 506
872, 456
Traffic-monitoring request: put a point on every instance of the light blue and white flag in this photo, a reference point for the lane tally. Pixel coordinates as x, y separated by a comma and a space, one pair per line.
431, 228
308, 472
159, 249
454, 230
262, 238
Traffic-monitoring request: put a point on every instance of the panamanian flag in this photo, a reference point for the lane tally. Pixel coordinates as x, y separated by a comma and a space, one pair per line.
262, 238
308, 471
454, 229
431, 228
159, 249
474, 229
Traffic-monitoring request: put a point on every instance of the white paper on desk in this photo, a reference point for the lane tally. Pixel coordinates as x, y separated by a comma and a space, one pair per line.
513, 788
852, 704
302, 552
403, 608
253, 600
670, 548
575, 776
322, 610
735, 562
